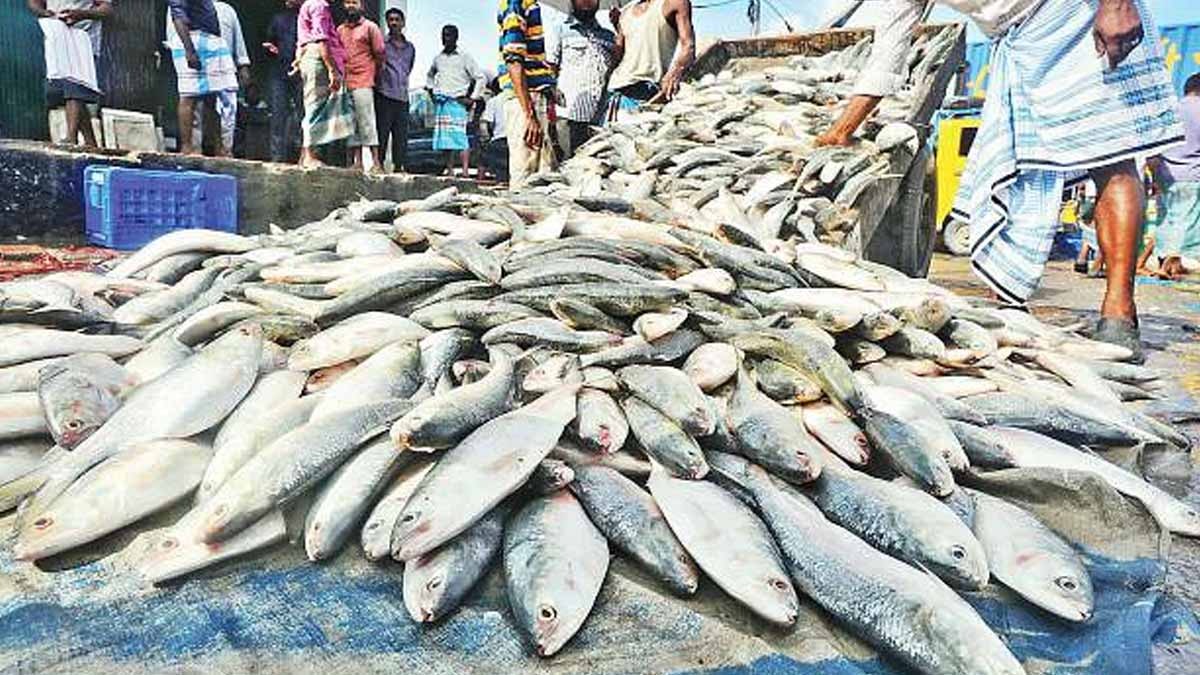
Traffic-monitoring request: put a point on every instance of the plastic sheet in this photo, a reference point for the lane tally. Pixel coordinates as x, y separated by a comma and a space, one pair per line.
277, 613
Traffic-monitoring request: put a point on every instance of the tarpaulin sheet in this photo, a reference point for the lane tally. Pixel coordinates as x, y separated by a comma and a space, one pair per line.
278, 613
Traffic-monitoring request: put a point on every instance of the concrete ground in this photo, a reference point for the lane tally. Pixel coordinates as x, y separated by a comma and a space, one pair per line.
1170, 318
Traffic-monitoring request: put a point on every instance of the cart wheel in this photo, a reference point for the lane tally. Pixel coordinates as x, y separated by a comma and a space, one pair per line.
913, 231
956, 236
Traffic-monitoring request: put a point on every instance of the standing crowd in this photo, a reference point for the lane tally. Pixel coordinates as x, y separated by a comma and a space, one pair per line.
349, 82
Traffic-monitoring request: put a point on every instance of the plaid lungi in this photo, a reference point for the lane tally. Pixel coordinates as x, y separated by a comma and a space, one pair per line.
1053, 111
216, 73
1179, 232
449, 124
328, 115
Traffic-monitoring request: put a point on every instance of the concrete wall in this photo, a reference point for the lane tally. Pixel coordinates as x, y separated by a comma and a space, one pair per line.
41, 195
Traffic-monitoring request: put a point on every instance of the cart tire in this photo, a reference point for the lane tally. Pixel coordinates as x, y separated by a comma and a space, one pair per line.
908, 246
956, 236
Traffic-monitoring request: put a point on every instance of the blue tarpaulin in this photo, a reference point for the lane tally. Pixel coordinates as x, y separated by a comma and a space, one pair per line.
277, 613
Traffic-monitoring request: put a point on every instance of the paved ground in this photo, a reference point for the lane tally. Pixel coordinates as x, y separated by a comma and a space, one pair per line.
1170, 315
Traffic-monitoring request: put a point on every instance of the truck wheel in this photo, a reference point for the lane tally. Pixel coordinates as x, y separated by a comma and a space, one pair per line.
913, 228
956, 236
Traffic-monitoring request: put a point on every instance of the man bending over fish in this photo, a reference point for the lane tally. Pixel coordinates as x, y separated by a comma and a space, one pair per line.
1077, 88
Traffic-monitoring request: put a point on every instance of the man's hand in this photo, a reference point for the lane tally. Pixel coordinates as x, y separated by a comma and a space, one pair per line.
614, 17
533, 131
833, 137
335, 80
193, 59
270, 48
1117, 30
669, 86
71, 16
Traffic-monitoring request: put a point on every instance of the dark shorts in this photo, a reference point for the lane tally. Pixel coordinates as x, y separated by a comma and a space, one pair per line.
60, 91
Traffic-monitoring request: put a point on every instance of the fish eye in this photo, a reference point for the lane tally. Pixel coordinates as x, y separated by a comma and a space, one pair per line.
861, 441
434, 583
43, 522
958, 552
168, 544
73, 425
779, 584
1067, 584
408, 518
547, 613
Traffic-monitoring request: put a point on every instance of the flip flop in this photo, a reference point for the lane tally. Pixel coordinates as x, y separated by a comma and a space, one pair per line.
1123, 333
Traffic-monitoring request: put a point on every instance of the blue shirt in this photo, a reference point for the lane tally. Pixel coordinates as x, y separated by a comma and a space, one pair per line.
200, 15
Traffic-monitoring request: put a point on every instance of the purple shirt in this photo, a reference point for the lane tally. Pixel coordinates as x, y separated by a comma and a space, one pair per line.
1182, 164
315, 24
397, 64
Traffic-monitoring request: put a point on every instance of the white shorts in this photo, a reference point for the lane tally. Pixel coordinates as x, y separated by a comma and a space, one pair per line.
365, 133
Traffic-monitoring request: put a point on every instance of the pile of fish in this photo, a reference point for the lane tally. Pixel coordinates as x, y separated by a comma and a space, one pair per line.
467, 382
736, 147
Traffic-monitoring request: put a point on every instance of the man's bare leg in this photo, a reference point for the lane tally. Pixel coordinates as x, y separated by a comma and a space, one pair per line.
465, 156
187, 116
1147, 251
1120, 208
309, 159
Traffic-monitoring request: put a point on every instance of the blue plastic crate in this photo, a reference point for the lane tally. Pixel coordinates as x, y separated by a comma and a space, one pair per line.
128, 208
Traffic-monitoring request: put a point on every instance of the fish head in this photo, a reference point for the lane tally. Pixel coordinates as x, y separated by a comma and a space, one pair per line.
51, 532
74, 406
954, 554
415, 528
426, 584
1179, 517
549, 630
1062, 587
228, 513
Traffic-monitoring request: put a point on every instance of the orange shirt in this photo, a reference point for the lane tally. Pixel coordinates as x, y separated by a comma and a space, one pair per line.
364, 43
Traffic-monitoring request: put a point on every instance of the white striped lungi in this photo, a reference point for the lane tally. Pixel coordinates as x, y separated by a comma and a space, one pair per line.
1053, 112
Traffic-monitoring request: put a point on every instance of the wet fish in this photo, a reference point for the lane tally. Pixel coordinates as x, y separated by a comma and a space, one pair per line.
599, 423
836, 431
478, 473
811, 357
121, 490
771, 436
34, 344
392, 372
376, 533
182, 241
747, 567
673, 394
711, 365
437, 582
347, 495
554, 564
631, 520
289, 465
444, 419
1032, 560
663, 440
551, 333
21, 417
354, 338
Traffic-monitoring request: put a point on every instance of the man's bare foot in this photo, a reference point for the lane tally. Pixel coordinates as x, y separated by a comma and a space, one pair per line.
313, 163
1172, 269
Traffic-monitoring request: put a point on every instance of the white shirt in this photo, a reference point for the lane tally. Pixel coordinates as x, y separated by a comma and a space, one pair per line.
884, 74
454, 75
493, 114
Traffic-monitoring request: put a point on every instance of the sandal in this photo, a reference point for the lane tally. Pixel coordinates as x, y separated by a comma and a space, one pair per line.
1123, 333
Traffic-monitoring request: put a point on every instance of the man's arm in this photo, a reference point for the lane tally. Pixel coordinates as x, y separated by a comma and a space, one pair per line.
514, 51
378, 51
884, 72
680, 15
101, 9
184, 30
614, 17
1117, 30
38, 7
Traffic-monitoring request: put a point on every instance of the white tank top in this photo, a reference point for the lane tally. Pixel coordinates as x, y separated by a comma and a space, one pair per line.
650, 42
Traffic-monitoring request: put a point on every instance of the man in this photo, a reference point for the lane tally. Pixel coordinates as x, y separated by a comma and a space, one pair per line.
1075, 87
1178, 173
321, 62
495, 150
391, 91
74, 69
225, 102
284, 97
528, 84
364, 53
584, 55
656, 43
203, 62
452, 81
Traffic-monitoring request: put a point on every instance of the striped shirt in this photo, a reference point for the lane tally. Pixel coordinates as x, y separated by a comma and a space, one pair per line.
522, 41
584, 55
